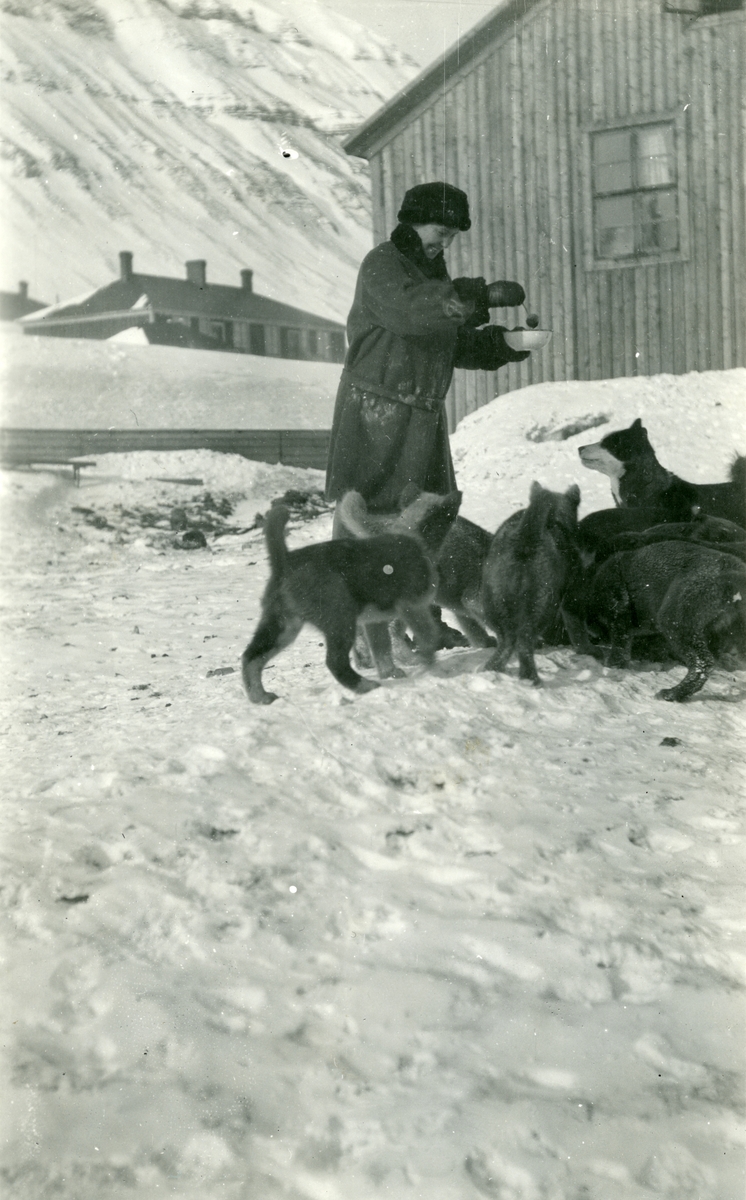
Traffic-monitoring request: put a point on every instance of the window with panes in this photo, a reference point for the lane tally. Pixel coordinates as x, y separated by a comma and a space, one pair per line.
635, 191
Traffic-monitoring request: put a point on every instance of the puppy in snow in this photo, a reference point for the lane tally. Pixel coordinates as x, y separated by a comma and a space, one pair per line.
335, 586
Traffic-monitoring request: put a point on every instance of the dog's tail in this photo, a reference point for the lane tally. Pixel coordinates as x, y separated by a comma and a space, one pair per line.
274, 535
351, 515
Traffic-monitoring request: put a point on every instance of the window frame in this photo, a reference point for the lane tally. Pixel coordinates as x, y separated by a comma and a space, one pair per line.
694, 9
676, 119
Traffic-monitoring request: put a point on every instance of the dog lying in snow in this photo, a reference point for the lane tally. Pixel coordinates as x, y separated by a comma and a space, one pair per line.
638, 480
712, 533
610, 530
427, 518
531, 562
690, 594
335, 586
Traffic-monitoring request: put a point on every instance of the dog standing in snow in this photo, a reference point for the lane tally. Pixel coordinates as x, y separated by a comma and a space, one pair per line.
531, 562
334, 586
428, 518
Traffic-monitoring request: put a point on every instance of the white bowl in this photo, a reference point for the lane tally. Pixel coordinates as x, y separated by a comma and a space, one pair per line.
527, 339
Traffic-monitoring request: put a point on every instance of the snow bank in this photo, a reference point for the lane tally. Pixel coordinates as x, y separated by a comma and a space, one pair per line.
75, 383
696, 423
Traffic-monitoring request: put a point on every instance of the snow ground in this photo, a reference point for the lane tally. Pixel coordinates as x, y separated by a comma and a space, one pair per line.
77, 383
457, 938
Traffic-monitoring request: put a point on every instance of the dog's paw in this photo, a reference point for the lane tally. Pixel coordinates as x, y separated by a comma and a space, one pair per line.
392, 672
368, 685
668, 694
264, 698
450, 639
496, 662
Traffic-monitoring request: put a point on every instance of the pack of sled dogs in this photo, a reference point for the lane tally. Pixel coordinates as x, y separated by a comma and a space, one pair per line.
663, 573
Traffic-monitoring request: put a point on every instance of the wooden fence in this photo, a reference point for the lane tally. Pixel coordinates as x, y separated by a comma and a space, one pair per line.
292, 447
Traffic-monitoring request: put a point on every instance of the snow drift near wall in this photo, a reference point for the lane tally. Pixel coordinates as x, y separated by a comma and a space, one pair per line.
73, 383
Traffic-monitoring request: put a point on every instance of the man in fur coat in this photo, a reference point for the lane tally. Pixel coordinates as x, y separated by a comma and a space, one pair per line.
408, 327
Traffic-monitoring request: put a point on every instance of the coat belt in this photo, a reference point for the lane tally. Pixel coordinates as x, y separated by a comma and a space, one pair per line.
412, 399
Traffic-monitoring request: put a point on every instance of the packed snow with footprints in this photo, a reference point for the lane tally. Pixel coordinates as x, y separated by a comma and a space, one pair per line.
459, 937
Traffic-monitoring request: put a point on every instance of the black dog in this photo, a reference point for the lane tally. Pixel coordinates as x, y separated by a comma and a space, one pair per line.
690, 594
611, 530
532, 559
335, 585
639, 481
712, 533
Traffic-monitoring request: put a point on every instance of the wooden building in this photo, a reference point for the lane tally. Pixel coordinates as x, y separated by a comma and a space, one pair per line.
601, 143
192, 312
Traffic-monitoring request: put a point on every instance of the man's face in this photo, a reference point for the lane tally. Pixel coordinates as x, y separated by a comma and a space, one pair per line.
435, 238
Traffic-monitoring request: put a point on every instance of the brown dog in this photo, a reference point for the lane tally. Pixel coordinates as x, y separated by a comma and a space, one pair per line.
531, 562
691, 594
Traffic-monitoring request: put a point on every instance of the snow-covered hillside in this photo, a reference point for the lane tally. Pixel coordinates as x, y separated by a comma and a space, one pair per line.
457, 939
183, 129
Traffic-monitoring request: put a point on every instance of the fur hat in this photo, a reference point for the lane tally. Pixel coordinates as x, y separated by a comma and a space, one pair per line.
436, 204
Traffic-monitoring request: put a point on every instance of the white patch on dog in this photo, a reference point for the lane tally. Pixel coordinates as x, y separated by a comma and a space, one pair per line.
597, 459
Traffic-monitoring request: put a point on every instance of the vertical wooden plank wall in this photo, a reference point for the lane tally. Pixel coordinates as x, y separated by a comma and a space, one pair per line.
510, 130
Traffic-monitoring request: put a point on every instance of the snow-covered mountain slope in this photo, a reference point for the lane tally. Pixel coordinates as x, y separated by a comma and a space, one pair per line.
184, 129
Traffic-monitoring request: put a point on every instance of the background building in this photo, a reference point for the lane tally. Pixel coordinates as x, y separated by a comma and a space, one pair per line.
193, 312
18, 304
602, 148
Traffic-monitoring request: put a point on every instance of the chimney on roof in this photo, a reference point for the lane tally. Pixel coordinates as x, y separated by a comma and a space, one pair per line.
197, 272
23, 289
125, 265
247, 280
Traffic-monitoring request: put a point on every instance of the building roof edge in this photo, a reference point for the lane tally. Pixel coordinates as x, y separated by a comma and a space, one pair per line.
444, 68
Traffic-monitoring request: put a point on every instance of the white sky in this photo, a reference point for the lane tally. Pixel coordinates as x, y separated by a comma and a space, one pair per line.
422, 28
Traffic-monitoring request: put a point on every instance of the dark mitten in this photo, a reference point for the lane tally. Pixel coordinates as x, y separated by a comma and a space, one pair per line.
484, 349
475, 292
505, 294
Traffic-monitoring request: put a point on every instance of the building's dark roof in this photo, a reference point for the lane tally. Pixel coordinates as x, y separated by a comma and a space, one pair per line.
180, 297
367, 137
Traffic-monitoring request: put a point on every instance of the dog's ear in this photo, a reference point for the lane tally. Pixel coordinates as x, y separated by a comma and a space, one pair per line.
452, 503
408, 496
438, 519
535, 493
573, 495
